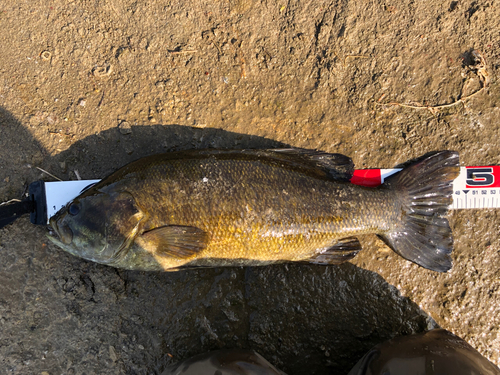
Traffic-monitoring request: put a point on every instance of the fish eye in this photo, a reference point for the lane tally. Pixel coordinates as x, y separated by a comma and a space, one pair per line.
73, 209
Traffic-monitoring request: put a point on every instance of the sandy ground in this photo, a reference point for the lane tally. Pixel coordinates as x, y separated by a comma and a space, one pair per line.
89, 85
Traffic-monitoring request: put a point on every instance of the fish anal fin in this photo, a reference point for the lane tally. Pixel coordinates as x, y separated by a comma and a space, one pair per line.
342, 251
174, 241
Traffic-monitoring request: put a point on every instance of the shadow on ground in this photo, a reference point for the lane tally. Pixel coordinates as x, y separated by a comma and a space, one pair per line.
61, 314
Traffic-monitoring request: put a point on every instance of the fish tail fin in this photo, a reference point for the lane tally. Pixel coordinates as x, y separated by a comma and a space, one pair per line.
424, 189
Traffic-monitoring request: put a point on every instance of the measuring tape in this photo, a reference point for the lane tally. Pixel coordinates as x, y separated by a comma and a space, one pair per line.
475, 187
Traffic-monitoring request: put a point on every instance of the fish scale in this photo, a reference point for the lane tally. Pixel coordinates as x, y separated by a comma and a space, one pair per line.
239, 235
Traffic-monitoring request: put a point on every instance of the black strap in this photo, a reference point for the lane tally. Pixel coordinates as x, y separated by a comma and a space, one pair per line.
11, 211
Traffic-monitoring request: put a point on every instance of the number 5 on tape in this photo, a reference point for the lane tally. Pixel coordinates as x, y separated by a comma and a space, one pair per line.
477, 187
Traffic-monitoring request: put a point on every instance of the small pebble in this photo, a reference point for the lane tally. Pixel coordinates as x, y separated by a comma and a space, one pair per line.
128, 147
112, 353
125, 128
46, 55
103, 71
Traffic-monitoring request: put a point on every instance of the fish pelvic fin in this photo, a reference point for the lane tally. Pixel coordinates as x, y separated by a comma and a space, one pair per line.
174, 241
424, 190
342, 251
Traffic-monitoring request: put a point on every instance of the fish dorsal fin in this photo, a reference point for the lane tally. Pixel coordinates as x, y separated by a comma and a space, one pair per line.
337, 166
174, 241
342, 251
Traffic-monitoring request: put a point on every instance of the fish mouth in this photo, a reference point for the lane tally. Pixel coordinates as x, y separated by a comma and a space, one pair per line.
61, 233
52, 236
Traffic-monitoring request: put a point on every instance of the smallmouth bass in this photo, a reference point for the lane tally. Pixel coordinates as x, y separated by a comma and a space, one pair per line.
211, 208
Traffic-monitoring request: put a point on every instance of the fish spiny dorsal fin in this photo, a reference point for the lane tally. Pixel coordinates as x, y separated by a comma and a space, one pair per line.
174, 241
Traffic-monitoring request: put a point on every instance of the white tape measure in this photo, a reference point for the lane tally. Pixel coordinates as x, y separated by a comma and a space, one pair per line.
57, 194
475, 187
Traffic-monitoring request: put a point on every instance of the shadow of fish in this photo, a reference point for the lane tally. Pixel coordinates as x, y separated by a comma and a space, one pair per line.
210, 208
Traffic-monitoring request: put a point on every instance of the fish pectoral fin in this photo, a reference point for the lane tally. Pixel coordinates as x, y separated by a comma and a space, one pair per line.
174, 241
342, 251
